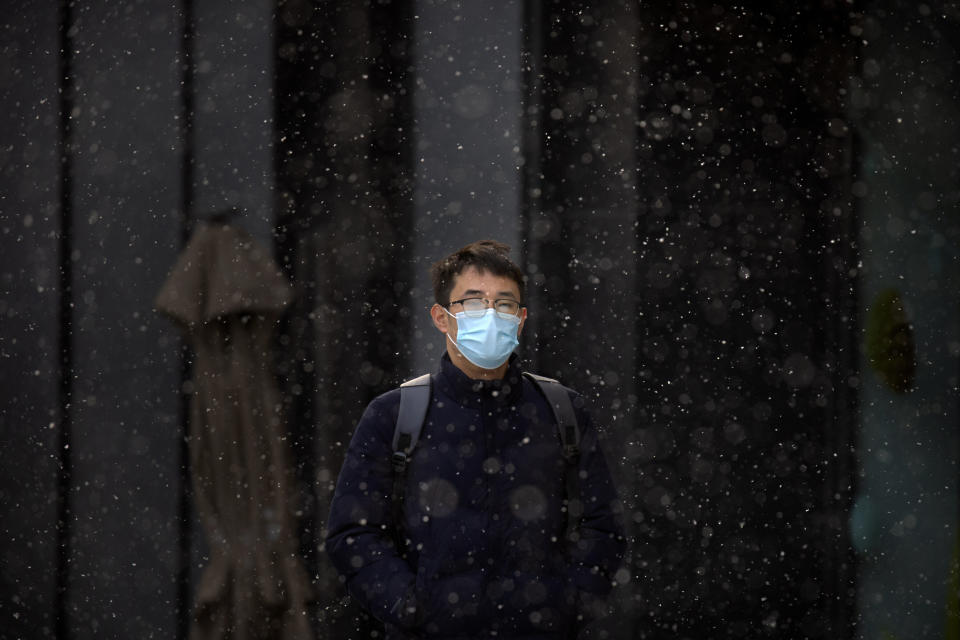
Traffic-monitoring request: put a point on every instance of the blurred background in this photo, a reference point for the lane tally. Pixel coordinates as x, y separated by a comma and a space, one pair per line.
740, 228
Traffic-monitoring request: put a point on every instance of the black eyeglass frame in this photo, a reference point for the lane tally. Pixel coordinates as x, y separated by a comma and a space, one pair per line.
487, 305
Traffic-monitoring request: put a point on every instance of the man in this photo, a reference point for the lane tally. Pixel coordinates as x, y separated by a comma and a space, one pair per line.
477, 544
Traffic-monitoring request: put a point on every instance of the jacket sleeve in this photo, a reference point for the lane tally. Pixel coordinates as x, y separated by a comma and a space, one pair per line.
596, 548
361, 533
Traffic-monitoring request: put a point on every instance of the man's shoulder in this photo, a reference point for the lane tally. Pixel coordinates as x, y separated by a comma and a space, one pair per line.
377, 422
387, 401
577, 399
536, 379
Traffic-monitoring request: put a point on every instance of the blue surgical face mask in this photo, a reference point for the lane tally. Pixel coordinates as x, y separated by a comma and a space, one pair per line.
486, 341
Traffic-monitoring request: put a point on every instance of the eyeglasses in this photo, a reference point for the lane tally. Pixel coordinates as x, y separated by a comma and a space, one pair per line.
476, 307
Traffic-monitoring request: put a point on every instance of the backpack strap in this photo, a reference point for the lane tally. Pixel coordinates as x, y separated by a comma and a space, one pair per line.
559, 401
414, 400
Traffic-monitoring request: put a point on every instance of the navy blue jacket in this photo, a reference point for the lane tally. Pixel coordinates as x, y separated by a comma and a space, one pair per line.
481, 550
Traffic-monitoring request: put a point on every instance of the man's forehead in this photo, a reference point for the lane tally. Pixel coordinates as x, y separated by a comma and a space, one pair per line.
472, 279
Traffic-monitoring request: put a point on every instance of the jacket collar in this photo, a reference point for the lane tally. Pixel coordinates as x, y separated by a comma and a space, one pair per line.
455, 383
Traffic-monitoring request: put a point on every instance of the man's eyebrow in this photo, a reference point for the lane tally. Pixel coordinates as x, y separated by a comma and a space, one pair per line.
476, 292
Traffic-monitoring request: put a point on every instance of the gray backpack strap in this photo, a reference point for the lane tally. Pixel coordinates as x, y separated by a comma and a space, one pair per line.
414, 401
559, 400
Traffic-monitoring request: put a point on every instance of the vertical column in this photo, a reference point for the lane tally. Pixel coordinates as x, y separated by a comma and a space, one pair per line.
581, 203
743, 308
29, 291
344, 232
233, 111
467, 111
582, 215
724, 377
190, 549
126, 234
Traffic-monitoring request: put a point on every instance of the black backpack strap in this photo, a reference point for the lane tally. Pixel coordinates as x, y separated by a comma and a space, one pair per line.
414, 402
559, 400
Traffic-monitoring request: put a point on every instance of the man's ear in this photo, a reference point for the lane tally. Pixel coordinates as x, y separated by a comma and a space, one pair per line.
523, 320
440, 317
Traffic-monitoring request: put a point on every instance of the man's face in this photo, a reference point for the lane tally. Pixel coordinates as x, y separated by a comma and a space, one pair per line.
473, 283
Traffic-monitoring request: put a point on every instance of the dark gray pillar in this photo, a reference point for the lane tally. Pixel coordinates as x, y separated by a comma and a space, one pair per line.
581, 197
724, 378
29, 325
745, 322
233, 116
467, 109
343, 234
125, 442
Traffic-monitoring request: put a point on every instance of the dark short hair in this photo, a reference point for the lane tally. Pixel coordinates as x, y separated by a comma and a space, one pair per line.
485, 255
